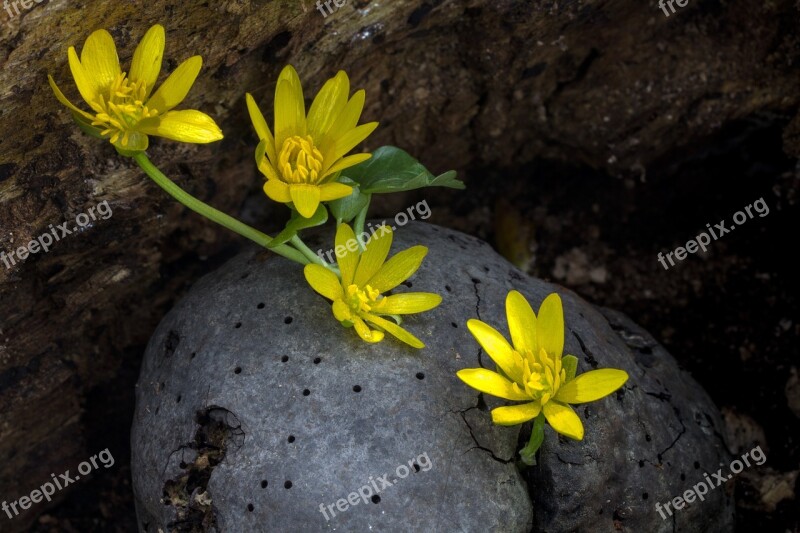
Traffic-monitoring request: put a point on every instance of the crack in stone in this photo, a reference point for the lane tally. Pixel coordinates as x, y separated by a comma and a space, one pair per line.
589, 356
569, 462
478, 446
478, 314
683, 430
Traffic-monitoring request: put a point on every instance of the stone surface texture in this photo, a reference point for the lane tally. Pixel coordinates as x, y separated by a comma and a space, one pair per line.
254, 406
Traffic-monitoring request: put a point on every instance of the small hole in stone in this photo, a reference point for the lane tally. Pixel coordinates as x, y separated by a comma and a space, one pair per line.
454, 324
261, 306
306, 392
646, 350
193, 355
291, 438
145, 526
158, 408
420, 375
647, 438
447, 288
288, 320
408, 284
317, 360
183, 465
356, 388
284, 358
178, 399
416, 467
244, 276
287, 485
376, 499
683, 476
476, 280
264, 484
250, 507
696, 465
641, 464
238, 325
237, 370
644, 495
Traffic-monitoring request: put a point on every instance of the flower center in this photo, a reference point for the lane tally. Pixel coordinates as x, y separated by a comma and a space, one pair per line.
362, 300
122, 108
300, 161
542, 375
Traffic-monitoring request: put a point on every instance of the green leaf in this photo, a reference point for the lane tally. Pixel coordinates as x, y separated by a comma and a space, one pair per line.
570, 364
345, 209
297, 223
391, 169
528, 453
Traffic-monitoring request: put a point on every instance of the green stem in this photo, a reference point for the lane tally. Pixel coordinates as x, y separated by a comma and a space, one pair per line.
528, 453
213, 214
358, 224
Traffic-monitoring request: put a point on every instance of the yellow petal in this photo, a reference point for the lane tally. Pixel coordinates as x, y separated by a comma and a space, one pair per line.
491, 383
345, 143
188, 125
328, 104
409, 303
305, 198
398, 269
290, 107
592, 385
100, 61
277, 191
550, 326
376, 252
521, 322
83, 80
261, 127
63, 99
263, 164
395, 330
516, 414
563, 419
341, 311
347, 260
323, 281
497, 347
367, 334
347, 162
146, 63
348, 117
176, 86
334, 191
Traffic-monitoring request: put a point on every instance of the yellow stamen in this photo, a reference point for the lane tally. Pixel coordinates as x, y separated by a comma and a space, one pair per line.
300, 161
122, 109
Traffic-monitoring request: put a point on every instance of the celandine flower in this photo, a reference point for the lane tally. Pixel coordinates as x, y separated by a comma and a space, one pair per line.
357, 296
533, 371
303, 158
124, 111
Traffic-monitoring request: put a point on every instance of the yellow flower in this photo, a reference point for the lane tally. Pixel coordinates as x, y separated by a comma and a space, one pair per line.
301, 162
532, 370
124, 111
357, 297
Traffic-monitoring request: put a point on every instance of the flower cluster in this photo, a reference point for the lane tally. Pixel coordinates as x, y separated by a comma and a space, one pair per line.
307, 164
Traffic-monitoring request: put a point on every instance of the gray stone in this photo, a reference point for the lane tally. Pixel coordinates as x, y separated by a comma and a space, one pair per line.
247, 416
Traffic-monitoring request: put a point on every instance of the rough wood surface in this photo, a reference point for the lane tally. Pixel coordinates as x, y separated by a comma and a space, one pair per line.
459, 83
